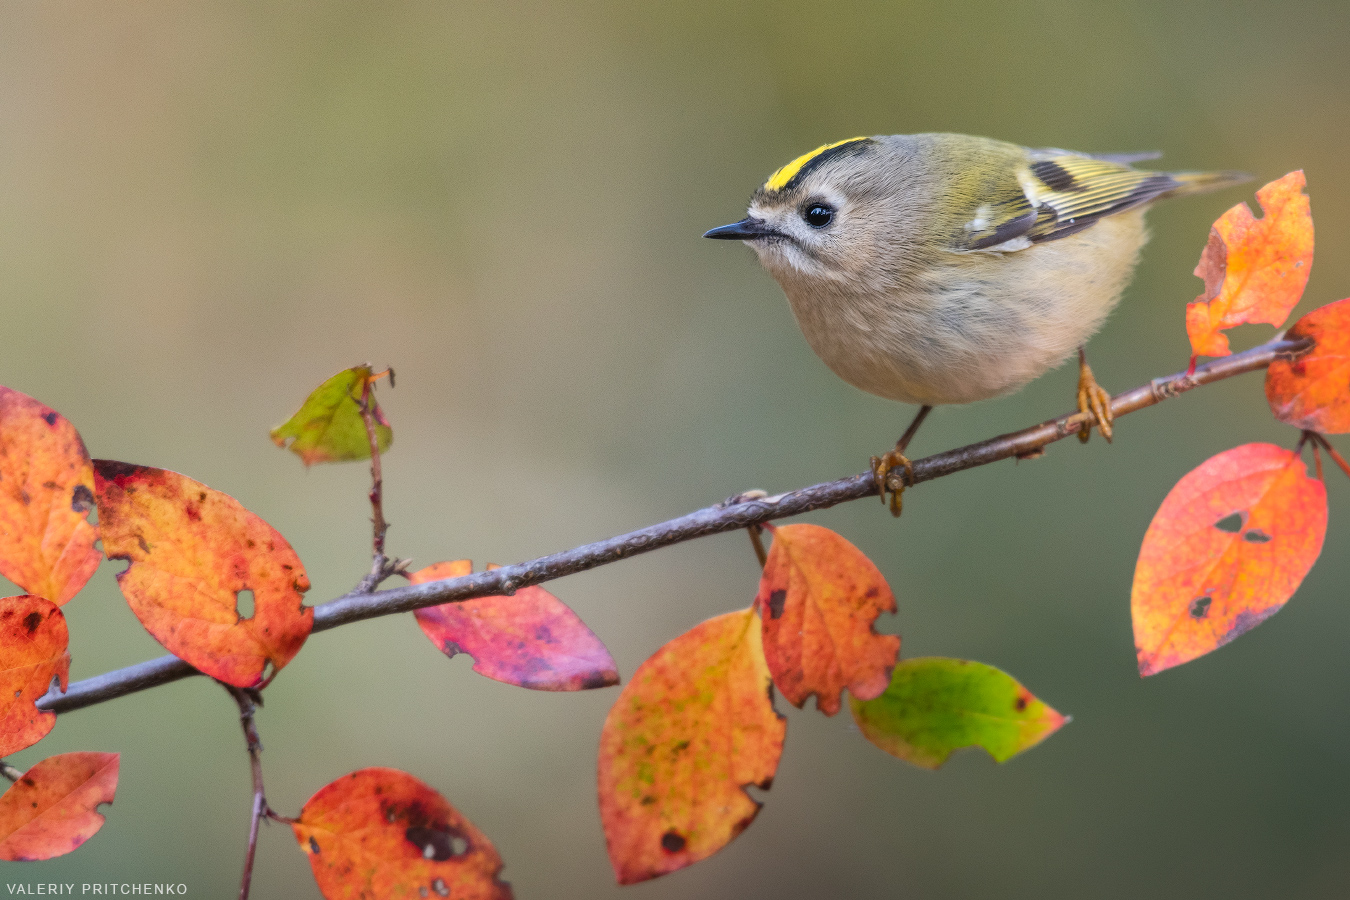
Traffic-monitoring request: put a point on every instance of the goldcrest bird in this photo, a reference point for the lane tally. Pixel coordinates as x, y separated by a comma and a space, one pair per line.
945, 268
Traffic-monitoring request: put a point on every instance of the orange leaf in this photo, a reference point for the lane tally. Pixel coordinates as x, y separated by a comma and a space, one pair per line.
383, 833
52, 809
1254, 269
192, 550
531, 638
33, 640
1313, 391
1229, 545
694, 728
46, 493
819, 597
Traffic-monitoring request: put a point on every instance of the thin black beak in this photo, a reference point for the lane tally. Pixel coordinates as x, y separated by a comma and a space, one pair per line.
746, 229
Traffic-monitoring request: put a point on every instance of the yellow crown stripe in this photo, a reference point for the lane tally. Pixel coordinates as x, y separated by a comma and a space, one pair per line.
778, 180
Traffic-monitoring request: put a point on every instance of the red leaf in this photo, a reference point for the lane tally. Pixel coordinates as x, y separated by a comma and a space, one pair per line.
52, 809
192, 550
33, 640
1229, 545
1254, 269
46, 493
531, 638
382, 833
694, 728
819, 597
1313, 391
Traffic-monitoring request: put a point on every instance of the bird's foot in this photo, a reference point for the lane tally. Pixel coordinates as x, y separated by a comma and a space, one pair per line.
882, 466
1093, 401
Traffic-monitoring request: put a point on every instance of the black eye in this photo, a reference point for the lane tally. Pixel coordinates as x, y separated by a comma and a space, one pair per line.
818, 215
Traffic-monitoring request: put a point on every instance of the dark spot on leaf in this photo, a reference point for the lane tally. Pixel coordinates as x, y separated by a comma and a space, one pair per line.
1200, 607
672, 841
1245, 621
50, 418
81, 499
436, 844
647, 800
1256, 536
450, 648
23, 495
1231, 523
32, 621
1021, 704
313, 845
140, 539
776, 601
543, 634
594, 680
112, 470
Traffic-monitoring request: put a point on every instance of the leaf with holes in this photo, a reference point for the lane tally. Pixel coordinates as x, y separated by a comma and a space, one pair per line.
328, 427
33, 640
935, 706
53, 808
192, 550
383, 833
46, 494
531, 638
1254, 269
692, 730
1229, 545
1313, 391
819, 597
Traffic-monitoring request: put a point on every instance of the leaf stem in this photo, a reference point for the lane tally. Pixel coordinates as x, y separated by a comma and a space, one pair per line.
738, 512
1326, 445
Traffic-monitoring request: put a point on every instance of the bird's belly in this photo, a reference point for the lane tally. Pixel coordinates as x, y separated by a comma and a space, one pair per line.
929, 357
958, 335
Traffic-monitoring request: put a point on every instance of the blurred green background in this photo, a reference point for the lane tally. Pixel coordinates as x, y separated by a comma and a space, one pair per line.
211, 207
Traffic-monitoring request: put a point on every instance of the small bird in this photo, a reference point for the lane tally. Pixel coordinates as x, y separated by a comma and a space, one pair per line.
946, 268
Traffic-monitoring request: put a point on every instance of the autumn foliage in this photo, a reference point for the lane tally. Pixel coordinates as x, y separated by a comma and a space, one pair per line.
695, 729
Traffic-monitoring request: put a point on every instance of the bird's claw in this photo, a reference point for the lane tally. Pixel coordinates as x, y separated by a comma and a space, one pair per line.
1093, 402
881, 467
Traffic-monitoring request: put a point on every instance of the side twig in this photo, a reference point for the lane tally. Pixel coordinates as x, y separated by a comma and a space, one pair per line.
381, 566
248, 702
743, 511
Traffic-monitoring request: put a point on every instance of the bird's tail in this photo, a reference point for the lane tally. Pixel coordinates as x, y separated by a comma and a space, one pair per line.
1201, 182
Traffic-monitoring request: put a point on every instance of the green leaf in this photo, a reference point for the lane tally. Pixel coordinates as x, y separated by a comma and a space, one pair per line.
936, 705
329, 428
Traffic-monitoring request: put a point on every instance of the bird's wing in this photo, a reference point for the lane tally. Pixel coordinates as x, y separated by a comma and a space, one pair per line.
1058, 194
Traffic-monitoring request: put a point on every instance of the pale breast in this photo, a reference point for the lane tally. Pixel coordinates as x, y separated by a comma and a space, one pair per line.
975, 325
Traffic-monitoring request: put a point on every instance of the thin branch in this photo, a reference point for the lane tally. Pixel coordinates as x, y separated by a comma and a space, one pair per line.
740, 512
248, 701
9, 771
379, 563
